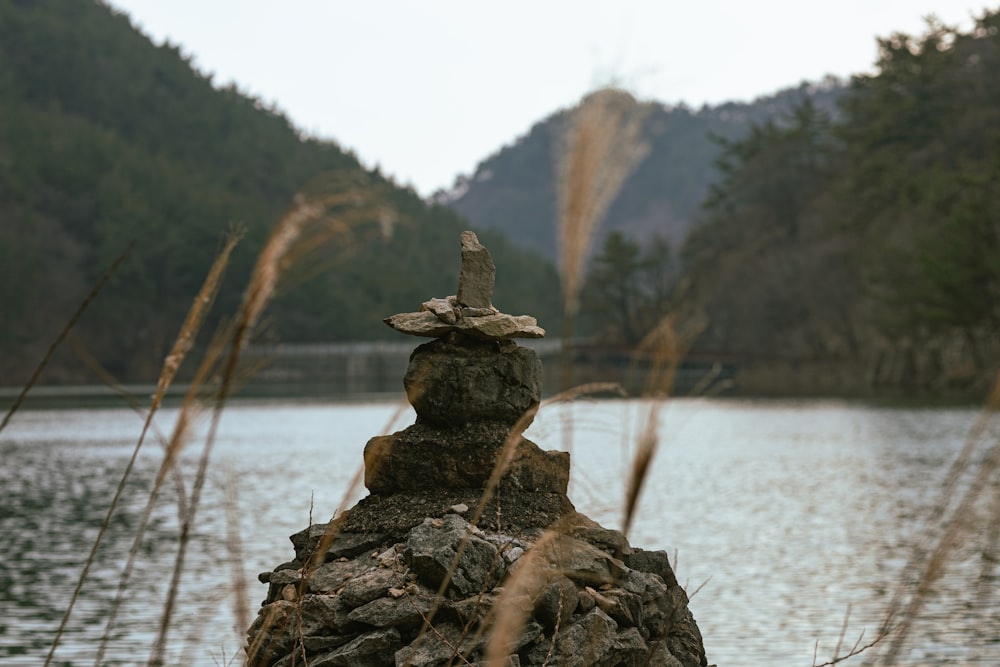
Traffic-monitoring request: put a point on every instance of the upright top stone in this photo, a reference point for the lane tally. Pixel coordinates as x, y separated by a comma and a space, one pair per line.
475, 282
471, 311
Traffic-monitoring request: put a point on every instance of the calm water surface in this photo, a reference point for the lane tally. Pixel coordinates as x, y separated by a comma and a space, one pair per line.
785, 514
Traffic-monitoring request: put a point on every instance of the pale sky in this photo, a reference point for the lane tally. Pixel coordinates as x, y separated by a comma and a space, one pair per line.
427, 89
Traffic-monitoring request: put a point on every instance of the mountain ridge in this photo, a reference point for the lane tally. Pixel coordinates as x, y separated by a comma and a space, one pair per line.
514, 188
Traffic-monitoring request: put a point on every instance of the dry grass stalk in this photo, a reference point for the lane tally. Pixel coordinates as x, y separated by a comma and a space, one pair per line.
588, 389
274, 260
62, 334
535, 570
602, 146
456, 649
665, 347
856, 649
972, 441
176, 443
990, 556
234, 544
270, 622
195, 318
171, 365
948, 542
136, 405
191, 406
317, 558
504, 458
511, 610
111, 382
950, 538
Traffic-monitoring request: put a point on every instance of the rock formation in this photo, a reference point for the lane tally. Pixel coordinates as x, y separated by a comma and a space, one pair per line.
467, 542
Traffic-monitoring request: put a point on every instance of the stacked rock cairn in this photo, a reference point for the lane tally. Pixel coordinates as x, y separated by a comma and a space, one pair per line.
467, 548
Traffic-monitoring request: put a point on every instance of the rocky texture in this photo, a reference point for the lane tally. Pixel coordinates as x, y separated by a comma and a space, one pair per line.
590, 606
451, 384
420, 458
476, 280
467, 395
467, 530
489, 327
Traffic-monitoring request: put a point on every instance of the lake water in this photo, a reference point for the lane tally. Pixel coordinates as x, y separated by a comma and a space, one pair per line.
792, 512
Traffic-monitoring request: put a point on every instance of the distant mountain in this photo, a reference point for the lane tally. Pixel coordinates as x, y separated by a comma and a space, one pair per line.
514, 190
107, 138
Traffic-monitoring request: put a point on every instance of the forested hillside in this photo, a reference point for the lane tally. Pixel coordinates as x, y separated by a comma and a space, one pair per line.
863, 251
106, 138
514, 190
830, 238
838, 239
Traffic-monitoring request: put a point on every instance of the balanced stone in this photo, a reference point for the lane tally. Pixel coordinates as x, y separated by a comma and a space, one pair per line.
475, 282
490, 327
453, 384
443, 309
421, 458
471, 311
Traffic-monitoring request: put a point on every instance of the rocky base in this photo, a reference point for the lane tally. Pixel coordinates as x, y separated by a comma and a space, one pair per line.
578, 596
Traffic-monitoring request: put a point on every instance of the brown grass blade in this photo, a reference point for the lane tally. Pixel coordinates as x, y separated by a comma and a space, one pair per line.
666, 348
262, 287
176, 443
599, 149
504, 458
186, 417
234, 544
171, 365
275, 258
65, 331
514, 606
950, 537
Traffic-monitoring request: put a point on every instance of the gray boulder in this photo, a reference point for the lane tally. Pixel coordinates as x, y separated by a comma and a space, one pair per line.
431, 551
373, 649
451, 384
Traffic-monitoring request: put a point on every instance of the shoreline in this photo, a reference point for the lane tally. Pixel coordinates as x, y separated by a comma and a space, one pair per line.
54, 397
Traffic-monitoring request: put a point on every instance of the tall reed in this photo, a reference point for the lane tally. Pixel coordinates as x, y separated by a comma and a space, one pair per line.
601, 146
346, 205
171, 365
951, 519
333, 215
74, 318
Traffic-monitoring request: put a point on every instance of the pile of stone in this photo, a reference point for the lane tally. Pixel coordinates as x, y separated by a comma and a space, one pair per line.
445, 561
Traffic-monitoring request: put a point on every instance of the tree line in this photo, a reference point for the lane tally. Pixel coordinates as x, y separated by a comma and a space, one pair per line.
106, 138
868, 238
850, 230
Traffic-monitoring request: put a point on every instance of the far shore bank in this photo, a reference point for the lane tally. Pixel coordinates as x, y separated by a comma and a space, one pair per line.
45, 397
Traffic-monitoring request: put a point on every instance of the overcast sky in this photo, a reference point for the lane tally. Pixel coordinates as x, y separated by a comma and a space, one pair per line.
427, 89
